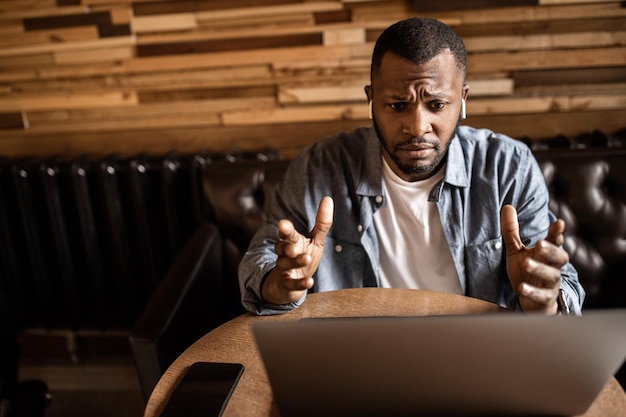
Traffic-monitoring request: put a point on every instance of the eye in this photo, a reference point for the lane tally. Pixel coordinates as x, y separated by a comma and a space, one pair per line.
437, 105
399, 106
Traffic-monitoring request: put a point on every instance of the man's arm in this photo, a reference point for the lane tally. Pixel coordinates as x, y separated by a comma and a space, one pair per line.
537, 265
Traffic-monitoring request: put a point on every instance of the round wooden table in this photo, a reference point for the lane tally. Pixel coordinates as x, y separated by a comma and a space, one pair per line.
233, 342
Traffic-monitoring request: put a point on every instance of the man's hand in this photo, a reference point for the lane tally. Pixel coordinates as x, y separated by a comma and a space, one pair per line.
298, 258
535, 273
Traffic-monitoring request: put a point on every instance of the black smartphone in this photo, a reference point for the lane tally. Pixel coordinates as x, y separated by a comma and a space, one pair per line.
204, 390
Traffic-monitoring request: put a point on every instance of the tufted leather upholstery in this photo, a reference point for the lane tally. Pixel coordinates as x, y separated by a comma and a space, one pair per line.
237, 197
588, 191
587, 182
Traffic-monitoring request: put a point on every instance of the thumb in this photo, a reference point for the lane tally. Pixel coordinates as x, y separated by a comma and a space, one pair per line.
323, 220
510, 229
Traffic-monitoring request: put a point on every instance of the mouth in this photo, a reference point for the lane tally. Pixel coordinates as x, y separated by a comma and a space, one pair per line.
417, 150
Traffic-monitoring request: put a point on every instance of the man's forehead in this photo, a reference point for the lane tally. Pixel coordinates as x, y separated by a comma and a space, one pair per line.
414, 56
399, 73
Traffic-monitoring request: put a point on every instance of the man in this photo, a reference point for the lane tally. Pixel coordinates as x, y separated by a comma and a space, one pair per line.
414, 201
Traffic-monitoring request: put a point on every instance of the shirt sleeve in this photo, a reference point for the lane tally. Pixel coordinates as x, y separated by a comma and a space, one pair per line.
533, 206
256, 263
288, 202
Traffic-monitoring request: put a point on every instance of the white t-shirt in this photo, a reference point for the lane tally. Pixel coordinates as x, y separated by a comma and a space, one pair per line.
414, 252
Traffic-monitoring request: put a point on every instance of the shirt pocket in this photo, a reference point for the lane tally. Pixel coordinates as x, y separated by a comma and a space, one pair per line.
344, 265
484, 266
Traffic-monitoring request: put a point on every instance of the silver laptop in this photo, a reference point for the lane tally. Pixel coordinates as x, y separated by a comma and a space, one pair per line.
494, 364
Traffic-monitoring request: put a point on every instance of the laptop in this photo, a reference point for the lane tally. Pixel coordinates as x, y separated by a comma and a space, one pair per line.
476, 365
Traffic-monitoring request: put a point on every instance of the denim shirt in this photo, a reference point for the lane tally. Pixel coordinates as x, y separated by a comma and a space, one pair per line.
484, 172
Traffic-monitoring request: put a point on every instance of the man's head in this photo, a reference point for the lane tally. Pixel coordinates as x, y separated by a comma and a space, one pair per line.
418, 40
416, 92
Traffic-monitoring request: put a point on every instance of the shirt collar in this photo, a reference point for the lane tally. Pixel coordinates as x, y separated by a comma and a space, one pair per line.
456, 171
371, 175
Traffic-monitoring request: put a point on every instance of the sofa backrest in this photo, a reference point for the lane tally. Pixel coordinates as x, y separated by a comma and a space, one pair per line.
588, 190
237, 196
587, 187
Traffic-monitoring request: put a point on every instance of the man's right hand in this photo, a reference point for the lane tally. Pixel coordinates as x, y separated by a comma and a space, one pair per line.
298, 258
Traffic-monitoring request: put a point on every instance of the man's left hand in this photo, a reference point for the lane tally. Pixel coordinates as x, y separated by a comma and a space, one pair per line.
535, 273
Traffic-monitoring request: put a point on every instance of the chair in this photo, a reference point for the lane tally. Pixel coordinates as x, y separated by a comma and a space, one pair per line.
191, 300
200, 290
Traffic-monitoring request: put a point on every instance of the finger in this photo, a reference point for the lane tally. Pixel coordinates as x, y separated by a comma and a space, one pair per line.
291, 249
510, 229
280, 288
542, 296
555, 233
287, 231
293, 243
287, 263
540, 274
323, 221
297, 284
550, 254
298, 250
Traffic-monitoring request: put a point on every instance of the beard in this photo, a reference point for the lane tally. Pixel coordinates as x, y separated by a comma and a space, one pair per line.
416, 170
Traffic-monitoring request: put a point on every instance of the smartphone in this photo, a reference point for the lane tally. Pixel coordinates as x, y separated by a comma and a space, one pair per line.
204, 390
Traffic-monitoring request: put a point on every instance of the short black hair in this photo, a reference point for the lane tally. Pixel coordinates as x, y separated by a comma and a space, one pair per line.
419, 39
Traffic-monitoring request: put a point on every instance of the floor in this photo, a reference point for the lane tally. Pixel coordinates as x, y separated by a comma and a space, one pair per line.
86, 376
94, 391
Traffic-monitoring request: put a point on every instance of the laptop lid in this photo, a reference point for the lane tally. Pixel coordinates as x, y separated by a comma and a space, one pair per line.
496, 364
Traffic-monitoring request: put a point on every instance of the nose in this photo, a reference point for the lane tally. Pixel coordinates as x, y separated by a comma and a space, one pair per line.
417, 122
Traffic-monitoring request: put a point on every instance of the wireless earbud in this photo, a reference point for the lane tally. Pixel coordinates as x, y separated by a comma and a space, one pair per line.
463, 109
371, 112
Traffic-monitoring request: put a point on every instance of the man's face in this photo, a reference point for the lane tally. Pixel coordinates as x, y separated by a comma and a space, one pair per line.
416, 110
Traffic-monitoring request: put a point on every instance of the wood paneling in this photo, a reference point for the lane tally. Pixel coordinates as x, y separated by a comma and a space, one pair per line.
128, 76
235, 44
64, 21
11, 121
437, 6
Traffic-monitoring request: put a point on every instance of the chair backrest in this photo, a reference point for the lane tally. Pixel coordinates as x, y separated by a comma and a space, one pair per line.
238, 195
188, 303
588, 190
200, 290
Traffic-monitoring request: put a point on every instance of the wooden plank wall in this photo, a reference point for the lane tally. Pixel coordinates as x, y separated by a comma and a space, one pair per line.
121, 76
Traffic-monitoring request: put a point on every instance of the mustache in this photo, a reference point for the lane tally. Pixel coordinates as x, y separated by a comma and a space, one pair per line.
419, 141
412, 141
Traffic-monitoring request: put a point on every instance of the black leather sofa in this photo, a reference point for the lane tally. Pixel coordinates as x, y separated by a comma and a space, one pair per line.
586, 177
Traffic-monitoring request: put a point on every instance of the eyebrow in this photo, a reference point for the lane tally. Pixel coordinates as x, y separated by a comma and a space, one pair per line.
438, 94
405, 97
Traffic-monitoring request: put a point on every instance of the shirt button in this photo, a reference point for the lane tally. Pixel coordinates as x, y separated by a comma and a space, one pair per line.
359, 228
498, 245
379, 199
338, 248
